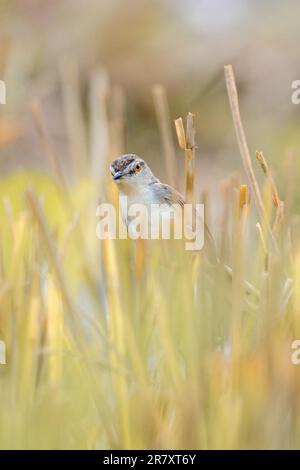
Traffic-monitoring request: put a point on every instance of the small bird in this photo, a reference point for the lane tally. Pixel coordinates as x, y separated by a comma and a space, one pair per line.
136, 181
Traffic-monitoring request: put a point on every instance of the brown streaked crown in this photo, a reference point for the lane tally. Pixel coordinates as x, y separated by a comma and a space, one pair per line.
121, 163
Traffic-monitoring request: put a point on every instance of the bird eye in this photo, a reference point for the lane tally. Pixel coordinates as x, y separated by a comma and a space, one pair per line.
137, 167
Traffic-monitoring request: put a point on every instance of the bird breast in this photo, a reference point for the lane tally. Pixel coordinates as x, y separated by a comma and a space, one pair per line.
157, 211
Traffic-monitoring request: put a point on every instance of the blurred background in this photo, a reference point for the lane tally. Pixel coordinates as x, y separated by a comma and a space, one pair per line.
119, 345
136, 44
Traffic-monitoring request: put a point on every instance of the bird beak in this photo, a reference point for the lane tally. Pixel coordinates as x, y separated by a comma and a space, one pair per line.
117, 175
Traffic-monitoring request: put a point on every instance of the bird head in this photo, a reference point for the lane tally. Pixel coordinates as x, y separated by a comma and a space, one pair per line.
131, 171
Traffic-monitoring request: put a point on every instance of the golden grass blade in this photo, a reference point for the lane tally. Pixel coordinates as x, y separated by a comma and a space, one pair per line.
265, 167
38, 215
55, 331
116, 325
39, 122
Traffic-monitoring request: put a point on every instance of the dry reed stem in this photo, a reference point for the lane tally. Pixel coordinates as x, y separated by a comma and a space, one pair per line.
244, 150
38, 215
186, 141
39, 121
180, 133
117, 333
241, 138
163, 119
190, 159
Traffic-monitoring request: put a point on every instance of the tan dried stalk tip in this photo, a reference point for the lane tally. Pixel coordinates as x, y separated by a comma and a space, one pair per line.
243, 195
265, 168
190, 131
260, 158
180, 133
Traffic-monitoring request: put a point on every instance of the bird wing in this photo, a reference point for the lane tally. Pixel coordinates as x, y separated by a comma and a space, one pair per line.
171, 196
167, 194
